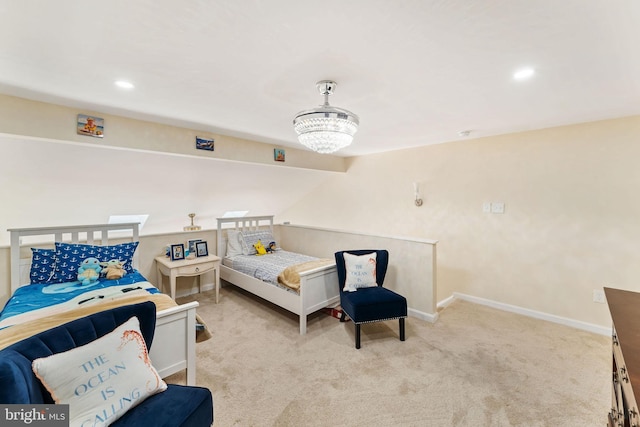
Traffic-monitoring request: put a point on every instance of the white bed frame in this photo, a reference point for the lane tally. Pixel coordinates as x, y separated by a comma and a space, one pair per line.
318, 287
174, 340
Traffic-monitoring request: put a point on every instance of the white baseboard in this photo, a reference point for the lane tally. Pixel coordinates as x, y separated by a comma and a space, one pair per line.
410, 311
422, 315
446, 302
597, 329
589, 327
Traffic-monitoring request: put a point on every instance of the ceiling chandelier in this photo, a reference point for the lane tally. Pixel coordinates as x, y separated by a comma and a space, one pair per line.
325, 129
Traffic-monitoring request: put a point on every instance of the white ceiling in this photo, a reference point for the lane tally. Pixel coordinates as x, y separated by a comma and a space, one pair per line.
416, 71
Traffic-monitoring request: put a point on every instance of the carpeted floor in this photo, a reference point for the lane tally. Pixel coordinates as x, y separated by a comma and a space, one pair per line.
476, 366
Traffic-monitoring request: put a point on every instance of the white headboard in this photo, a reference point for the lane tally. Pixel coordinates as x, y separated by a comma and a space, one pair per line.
242, 223
70, 234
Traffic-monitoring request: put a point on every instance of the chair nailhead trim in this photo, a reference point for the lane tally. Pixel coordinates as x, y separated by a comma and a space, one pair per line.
379, 320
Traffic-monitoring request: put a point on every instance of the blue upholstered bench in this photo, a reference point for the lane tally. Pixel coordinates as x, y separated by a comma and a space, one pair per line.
176, 406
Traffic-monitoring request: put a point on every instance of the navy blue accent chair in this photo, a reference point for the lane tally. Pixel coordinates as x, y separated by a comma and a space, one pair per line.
178, 405
373, 304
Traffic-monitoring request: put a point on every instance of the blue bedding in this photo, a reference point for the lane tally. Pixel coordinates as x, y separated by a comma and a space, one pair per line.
37, 296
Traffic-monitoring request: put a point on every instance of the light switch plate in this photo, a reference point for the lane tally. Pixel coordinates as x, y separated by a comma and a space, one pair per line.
486, 207
497, 207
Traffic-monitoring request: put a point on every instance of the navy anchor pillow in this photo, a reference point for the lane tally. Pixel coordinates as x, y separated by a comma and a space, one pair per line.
70, 255
43, 264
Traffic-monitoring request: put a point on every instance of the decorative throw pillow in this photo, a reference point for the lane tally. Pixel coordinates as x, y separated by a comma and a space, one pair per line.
101, 380
361, 271
43, 264
70, 255
250, 238
234, 245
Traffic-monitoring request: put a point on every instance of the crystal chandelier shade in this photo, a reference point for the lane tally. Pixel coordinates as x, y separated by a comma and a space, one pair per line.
326, 129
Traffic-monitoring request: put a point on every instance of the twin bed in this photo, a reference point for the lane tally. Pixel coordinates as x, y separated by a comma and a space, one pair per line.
62, 300
295, 282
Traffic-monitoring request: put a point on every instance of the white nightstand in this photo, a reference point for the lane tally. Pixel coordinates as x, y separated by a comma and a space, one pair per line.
188, 267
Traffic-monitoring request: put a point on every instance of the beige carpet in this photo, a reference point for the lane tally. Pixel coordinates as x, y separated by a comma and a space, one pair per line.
476, 366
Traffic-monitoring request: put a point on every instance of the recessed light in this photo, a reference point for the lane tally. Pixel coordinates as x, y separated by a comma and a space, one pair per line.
124, 84
523, 74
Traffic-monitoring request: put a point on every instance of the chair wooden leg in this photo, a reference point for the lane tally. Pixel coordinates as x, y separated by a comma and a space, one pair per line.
402, 329
342, 316
357, 336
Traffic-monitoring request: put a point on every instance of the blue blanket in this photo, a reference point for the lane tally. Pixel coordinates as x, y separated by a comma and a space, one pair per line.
36, 296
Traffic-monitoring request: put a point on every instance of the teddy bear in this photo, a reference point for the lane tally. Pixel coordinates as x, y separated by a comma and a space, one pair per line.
89, 271
260, 249
113, 269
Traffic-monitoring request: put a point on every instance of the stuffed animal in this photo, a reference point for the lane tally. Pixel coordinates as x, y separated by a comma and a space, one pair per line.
271, 248
113, 269
260, 249
89, 271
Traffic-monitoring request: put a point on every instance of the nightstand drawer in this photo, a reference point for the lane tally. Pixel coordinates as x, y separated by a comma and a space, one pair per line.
194, 270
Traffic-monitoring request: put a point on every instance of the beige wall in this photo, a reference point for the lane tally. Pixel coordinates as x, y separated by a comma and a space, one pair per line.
412, 262
570, 226
20, 116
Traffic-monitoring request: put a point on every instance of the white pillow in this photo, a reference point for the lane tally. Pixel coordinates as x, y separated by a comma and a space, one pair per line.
234, 243
361, 271
101, 380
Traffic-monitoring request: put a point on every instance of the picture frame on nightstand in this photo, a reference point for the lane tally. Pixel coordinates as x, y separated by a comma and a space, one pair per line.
201, 249
177, 252
191, 245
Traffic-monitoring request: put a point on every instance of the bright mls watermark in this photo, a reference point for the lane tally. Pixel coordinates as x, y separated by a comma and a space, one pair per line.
34, 415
